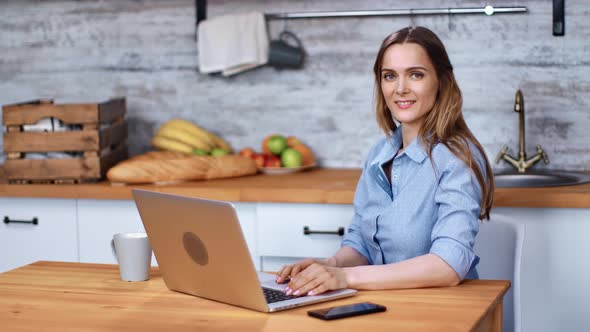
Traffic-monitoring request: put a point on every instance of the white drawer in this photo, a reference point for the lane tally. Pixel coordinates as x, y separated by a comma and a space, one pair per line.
281, 229
34, 229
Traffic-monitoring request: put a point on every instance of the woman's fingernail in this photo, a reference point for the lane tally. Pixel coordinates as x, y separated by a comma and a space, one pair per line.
310, 293
289, 291
297, 292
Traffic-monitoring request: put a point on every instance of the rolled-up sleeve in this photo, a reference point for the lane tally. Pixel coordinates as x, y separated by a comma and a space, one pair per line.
458, 198
353, 237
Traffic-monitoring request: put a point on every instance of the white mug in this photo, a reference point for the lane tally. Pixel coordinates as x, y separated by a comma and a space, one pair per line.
134, 255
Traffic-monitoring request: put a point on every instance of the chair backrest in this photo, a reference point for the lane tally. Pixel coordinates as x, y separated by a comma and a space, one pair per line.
499, 245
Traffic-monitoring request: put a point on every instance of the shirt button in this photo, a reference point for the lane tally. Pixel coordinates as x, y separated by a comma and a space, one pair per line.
395, 176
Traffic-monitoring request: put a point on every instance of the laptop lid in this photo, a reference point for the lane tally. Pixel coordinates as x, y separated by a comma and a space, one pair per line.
201, 250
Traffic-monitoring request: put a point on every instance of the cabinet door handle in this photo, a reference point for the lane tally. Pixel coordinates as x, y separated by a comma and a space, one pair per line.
34, 221
307, 231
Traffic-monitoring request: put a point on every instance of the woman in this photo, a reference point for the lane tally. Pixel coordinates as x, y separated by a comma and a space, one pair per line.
423, 187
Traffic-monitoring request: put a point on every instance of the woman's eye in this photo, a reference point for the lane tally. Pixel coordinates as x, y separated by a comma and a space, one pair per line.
388, 76
417, 75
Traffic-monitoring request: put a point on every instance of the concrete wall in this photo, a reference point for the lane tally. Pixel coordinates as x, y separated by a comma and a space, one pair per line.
89, 51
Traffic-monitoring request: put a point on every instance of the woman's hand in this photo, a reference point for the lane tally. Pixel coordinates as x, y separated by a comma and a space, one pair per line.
316, 278
290, 271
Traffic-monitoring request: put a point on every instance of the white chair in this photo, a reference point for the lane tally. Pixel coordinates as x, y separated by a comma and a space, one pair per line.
499, 245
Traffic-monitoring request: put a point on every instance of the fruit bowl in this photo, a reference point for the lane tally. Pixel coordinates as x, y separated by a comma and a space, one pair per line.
284, 170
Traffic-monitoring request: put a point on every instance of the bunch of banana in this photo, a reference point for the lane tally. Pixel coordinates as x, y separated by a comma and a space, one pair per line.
185, 136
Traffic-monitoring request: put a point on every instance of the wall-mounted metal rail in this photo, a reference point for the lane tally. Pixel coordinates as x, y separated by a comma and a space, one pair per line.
201, 10
488, 10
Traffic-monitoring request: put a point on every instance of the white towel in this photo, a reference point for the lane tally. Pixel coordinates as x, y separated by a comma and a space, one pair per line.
232, 43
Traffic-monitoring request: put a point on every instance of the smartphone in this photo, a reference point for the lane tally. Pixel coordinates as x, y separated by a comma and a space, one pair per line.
346, 310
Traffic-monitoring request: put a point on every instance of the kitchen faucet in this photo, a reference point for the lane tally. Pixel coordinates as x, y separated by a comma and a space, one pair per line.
522, 163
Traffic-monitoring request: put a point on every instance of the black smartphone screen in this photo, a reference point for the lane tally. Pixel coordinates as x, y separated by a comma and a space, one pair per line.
346, 310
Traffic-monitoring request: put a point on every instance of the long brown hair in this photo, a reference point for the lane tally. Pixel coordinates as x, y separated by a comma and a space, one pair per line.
444, 123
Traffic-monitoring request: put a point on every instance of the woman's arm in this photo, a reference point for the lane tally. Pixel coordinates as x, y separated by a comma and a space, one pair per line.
427, 270
423, 271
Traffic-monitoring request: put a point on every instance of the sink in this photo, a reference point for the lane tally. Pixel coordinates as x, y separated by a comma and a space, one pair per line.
540, 179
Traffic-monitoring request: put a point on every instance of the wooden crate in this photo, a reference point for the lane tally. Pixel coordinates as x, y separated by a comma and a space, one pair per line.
99, 142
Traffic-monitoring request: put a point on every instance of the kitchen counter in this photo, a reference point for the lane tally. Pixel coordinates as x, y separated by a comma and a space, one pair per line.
334, 186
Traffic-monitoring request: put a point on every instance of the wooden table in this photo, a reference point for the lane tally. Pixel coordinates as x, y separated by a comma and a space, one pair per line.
59, 296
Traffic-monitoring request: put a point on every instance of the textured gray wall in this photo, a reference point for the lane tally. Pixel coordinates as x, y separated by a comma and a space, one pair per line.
90, 51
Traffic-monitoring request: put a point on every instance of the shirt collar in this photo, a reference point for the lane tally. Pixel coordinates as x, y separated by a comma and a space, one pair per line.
414, 151
387, 152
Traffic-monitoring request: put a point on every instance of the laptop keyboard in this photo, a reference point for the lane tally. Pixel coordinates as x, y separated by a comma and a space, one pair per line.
273, 295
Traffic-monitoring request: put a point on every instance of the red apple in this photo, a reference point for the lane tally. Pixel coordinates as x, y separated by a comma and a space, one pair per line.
247, 152
258, 159
270, 160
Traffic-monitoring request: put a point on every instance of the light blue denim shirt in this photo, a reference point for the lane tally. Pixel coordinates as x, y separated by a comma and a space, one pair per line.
421, 211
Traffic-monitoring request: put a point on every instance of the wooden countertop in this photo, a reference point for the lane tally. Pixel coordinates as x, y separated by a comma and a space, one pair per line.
51, 296
316, 186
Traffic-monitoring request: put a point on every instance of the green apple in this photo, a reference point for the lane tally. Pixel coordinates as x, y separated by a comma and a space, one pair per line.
218, 152
291, 158
276, 144
200, 152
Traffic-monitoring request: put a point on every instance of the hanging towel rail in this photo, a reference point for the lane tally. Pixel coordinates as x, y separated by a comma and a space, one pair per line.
201, 12
488, 10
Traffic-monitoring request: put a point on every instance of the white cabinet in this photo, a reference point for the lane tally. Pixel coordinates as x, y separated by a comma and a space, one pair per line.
290, 232
53, 237
247, 215
99, 220
554, 271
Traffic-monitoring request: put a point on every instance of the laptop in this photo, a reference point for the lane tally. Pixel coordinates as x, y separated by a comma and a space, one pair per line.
201, 251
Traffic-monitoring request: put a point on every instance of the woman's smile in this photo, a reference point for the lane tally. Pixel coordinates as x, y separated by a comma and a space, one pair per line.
404, 104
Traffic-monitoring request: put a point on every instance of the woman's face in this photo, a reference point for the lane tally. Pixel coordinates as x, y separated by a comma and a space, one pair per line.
408, 82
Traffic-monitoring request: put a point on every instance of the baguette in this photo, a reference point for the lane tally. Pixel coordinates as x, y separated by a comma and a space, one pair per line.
168, 166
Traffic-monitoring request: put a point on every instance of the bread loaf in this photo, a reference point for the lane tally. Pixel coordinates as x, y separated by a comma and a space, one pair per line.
165, 166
